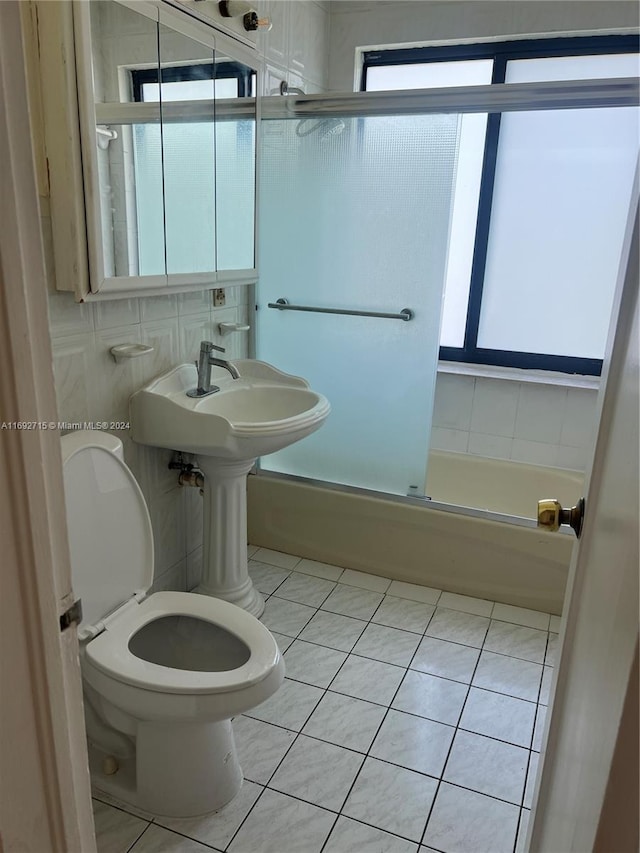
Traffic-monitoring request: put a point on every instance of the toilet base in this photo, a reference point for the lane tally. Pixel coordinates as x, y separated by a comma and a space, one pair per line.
178, 771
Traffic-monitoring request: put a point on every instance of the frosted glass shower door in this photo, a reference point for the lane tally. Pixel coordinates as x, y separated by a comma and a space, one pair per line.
354, 214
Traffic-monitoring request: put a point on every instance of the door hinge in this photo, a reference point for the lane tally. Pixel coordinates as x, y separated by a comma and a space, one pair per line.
71, 615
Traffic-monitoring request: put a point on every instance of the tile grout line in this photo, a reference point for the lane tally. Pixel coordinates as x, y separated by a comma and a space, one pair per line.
457, 728
326, 690
533, 734
407, 668
129, 849
388, 707
386, 714
373, 740
298, 734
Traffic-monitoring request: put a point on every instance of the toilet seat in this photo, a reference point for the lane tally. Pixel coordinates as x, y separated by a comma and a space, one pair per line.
109, 652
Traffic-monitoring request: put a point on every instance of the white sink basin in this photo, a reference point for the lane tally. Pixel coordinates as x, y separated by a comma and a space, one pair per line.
261, 412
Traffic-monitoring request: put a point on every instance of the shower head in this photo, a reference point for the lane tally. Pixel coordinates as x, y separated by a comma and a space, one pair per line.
325, 127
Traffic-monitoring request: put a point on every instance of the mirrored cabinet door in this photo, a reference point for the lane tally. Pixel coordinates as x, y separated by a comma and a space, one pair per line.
169, 129
123, 159
187, 97
235, 164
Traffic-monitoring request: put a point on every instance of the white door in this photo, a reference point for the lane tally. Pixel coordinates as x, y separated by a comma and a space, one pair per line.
588, 788
45, 800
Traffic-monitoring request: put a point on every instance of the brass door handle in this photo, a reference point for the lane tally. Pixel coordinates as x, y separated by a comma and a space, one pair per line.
551, 515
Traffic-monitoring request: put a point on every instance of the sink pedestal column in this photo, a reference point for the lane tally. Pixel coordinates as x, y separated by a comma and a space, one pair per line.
224, 556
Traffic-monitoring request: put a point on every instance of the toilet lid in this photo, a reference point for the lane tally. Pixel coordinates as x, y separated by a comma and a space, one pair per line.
110, 535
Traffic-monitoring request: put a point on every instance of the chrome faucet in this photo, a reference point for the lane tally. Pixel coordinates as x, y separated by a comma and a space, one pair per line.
204, 365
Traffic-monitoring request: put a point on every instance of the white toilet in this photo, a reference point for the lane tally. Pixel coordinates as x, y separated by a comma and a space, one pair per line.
163, 673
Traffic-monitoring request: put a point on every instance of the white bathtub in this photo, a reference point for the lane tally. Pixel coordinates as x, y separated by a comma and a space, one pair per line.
497, 485
477, 535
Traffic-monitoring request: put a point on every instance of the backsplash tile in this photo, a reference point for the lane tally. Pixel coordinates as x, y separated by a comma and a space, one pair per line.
198, 302
73, 368
193, 329
91, 386
67, 317
117, 312
158, 307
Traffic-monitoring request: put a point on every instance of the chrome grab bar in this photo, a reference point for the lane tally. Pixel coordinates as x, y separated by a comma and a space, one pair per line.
283, 305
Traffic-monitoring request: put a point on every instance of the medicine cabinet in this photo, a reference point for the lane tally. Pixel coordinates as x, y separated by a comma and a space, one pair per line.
167, 117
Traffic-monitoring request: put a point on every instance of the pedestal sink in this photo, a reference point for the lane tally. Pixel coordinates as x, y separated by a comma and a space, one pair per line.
261, 412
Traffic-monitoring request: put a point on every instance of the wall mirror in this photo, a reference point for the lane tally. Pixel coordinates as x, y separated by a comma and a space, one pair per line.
168, 130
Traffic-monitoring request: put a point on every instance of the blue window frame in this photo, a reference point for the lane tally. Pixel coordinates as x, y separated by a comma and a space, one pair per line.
244, 76
500, 53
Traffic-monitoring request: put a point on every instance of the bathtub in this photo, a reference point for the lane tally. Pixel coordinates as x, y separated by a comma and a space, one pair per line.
476, 535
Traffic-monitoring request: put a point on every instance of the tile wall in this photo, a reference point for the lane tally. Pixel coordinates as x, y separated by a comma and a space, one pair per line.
296, 49
91, 387
506, 419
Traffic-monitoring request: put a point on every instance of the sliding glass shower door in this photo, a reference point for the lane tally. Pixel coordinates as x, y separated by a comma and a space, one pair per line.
354, 217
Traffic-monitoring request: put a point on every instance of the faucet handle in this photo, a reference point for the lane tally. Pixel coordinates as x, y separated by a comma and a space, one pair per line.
207, 346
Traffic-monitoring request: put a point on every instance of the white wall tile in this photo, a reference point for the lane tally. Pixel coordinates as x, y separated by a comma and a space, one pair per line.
534, 452
274, 44
73, 363
576, 458
453, 401
68, 317
198, 302
494, 408
194, 329
174, 578
116, 312
114, 383
274, 75
193, 515
540, 412
494, 446
194, 568
164, 337
454, 440
156, 477
579, 426
236, 344
299, 32
168, 530
158, 308
308, 41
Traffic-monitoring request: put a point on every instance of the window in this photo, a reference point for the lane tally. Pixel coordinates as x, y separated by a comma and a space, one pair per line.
540, 202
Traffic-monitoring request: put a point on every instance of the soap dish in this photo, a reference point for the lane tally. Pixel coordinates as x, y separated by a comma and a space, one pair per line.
125, 351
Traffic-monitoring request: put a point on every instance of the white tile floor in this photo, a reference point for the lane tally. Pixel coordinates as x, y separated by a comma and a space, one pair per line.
410, 721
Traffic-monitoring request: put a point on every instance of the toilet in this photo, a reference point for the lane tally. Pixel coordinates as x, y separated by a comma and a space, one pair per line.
163, 673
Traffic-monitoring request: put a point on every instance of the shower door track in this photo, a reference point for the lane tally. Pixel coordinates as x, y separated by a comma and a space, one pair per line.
494, 98
408, 500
